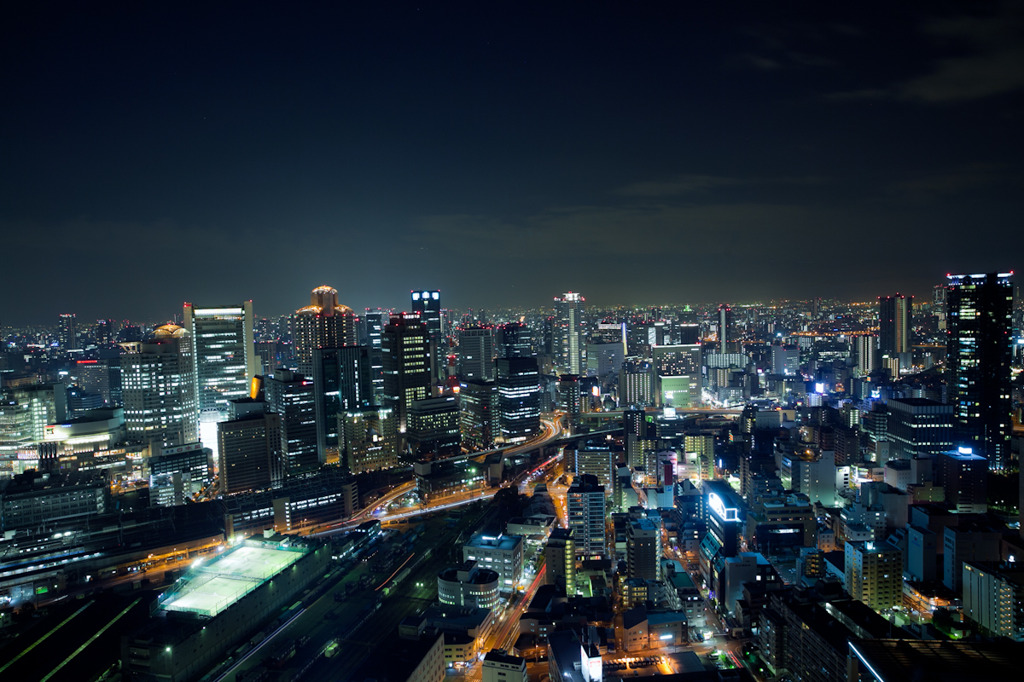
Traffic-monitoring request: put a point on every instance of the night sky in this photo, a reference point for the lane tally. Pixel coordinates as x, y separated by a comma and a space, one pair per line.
502, 152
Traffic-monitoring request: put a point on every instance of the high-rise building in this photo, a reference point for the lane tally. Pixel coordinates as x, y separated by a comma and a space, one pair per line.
369, 438
290, 395
993, 597
249, 448
867, 354
874, 574
978, 355
679, 374
560, 559
518, 386
478, 405
67, 332
476, 353
513, 340
158, 380
427, 304
570, 333
585, 504
342, 380
919, 427
727, 342
324, 323
406, 362
371, 334
894, 324
963, 476
433, 426
643, 549
224, 354
637, 383
570, 400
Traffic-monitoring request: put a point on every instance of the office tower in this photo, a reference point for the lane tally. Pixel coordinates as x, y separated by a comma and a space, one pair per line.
158, 383
640, 436
324, 323
919, 427
894, 324
369, 437
594, 458
477, 418
785, 360
978, 358
513, 340
560, 559
727, 342
963, 476
291, 396
585, 504
874, 574
637, 383
643, 549
476, 353
249, 448
939, 306
102, 377
342, 380
427, 304
570, 333
570, 401
518, 386
679, 375
67, 332
993, 597
433, 426
867, 354
371, 334
223, 352
405, 348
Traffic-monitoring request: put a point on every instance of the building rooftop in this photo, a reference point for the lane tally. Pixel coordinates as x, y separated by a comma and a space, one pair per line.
892, 660
500, 542
210, 587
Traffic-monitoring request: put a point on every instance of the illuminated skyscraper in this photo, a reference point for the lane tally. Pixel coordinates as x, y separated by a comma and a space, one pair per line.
570, 332
476, 353
158, 379
585, 505
894, 324
406, 360
67, 333
726, 334
427, 304
369, 438
518, 385
342, 380
978, 355
290, 395
225, 360
324, 323
514, 340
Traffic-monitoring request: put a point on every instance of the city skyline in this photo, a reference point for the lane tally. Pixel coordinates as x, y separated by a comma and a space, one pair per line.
167, 155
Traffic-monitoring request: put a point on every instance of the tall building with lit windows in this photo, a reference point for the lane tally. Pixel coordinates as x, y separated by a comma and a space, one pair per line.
224, 355
324, 323
727, 342
369, 438
67, 332
158, 382
405, 348
978, 354
427, 304
874, 574
290, 395
585, 506
570, 333
894, 324
518, 387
